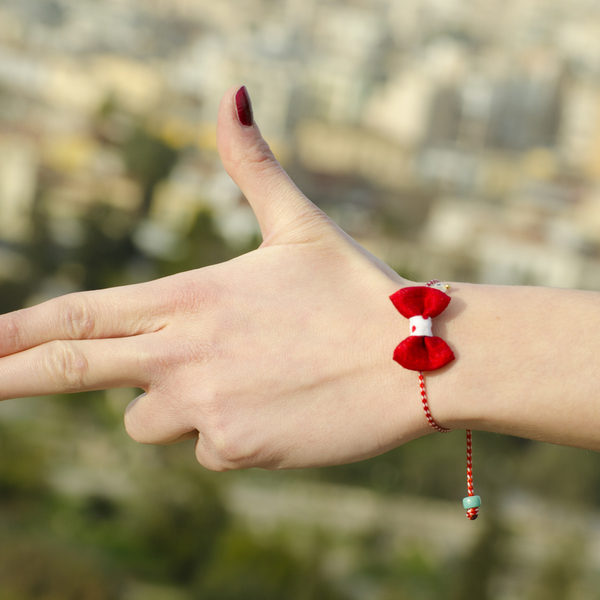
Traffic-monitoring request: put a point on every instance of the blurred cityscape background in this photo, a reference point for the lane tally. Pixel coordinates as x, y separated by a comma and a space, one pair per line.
457, 139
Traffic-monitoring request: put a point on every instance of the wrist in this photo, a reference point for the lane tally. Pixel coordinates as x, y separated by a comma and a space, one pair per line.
526, 363
423, 352
402, 386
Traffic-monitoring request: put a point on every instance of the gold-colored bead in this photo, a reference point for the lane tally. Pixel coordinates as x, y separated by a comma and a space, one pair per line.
447, 286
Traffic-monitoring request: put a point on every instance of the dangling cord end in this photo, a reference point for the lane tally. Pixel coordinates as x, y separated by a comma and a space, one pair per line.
471, 502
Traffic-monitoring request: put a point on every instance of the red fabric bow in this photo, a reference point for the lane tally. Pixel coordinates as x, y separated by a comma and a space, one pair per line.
421, 352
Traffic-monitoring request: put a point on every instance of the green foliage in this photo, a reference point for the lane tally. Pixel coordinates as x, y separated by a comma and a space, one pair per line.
430, 466
206, 247
13, 295
149, 159
104, 254
163, 534
408, 573
39, 569
23, 470
246, 568
559, 576
177, 539
484, 562
568, 475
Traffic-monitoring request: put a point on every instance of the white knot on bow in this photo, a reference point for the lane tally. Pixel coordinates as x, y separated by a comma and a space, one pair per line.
420, 326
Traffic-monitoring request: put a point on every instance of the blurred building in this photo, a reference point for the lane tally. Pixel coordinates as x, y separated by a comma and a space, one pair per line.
18, 178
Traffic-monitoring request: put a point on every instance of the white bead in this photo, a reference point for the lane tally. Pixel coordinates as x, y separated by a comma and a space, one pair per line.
420, 326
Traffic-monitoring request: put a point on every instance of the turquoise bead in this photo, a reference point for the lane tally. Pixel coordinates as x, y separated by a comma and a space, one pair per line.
472, 502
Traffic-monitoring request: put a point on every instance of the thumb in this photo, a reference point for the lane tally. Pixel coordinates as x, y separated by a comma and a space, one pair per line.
284, 214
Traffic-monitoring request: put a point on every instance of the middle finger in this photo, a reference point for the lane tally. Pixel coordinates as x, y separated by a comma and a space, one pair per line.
75, 366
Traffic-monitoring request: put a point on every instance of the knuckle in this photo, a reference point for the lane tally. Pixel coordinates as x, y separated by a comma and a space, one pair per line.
260, 156
178, 350
65, 365
229, 448
77, 316
12, 331
210, 456
226, 443
187, 295
197, 352
210, 462
226, 451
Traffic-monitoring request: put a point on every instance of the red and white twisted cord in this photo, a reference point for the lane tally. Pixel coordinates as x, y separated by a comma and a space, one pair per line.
473, 512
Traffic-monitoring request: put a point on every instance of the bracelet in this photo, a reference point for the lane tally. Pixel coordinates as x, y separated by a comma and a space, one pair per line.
422, 351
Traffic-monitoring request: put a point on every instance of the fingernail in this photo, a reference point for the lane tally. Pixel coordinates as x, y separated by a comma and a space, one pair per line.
244, 107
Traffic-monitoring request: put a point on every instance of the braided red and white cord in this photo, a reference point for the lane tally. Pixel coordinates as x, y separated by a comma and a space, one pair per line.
472, 513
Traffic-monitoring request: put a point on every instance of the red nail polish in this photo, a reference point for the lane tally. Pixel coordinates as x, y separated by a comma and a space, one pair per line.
244, 107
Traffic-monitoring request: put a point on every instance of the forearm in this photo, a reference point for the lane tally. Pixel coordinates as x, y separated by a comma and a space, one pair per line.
527, 363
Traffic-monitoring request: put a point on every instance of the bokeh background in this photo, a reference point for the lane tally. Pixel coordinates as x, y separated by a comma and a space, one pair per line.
457, 139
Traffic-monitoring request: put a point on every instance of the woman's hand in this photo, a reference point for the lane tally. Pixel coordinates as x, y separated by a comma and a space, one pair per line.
279, 358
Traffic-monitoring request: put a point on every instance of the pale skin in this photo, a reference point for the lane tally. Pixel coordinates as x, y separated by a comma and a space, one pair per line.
282, 358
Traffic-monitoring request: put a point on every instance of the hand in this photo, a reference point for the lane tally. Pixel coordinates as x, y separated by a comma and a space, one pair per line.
280, 358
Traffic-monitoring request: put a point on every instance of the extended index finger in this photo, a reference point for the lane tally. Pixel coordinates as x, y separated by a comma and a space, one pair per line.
114, 312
